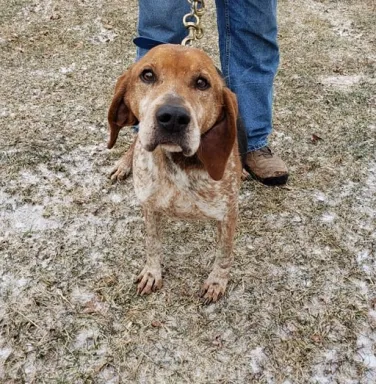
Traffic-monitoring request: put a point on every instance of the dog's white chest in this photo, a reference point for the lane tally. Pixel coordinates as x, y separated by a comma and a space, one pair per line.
175, 193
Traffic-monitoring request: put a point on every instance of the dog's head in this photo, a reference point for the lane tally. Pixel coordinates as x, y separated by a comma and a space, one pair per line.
181, 104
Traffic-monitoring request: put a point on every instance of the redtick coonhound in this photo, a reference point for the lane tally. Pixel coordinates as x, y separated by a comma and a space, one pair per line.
185, 158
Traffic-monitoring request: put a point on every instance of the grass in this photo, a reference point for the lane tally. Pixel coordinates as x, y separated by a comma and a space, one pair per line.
300, 306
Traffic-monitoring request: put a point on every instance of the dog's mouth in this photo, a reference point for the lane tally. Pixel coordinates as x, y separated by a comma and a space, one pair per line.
168, 142
170, 147
177, 144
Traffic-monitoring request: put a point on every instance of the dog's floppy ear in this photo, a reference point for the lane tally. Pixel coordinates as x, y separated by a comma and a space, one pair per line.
119, 114
217, 143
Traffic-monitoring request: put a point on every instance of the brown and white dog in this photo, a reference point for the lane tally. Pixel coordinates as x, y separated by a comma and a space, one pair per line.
185, 158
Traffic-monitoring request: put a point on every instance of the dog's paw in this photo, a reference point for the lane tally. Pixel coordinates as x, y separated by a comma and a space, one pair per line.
149, 280
121, 171
213, 288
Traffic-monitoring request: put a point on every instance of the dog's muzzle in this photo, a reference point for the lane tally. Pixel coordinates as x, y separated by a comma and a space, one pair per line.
172, 126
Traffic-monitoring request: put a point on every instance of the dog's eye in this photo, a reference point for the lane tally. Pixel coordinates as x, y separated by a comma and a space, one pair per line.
148, 76
202, 84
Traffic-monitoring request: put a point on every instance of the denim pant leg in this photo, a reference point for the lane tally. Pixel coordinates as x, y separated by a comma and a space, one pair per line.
249, 58
162, 20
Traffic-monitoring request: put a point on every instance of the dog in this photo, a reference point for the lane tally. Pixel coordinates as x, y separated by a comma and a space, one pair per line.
185, 159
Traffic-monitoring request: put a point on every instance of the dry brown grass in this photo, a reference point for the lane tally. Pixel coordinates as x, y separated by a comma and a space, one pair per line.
301, 303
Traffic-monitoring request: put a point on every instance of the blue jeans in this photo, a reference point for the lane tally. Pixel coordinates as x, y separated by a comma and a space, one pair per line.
248, 51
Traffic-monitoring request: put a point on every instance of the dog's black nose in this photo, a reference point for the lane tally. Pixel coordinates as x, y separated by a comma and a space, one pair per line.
173, 118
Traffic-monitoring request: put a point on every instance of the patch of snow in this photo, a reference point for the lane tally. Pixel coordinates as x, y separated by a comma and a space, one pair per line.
105, 35
44, 8
79, 164
366, 343
258, 358
89, 301
4, 354
320, 196
96, 256
116, 197
30, 368
109, 375
69, 69
321, 379
47, 174
4, 112
363, 256
328, 217
365, 213
314, 306
29, 178
324, 370
342, 25
81, 296
362, 286
12, 284
372, 314
280, 137
26, 217
343, 82
85, 338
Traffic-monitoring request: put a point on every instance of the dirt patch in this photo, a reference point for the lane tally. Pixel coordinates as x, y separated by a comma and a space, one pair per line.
300, 306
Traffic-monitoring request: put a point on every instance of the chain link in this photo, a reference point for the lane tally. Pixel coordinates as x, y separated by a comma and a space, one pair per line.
192, 21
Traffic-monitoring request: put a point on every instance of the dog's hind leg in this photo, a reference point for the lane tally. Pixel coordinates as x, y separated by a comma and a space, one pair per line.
123, 167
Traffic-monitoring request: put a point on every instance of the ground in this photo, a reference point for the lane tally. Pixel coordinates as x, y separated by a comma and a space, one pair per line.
301, 303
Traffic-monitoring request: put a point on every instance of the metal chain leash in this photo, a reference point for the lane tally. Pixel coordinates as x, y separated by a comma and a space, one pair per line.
192, 21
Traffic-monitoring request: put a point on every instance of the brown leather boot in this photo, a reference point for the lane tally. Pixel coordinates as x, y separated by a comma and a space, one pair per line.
266, 167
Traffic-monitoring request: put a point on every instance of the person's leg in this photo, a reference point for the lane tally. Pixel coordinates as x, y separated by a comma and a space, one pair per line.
162, 20
249, 58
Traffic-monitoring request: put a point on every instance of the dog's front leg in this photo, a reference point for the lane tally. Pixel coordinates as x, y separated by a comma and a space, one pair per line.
123, 167
150, 279
215, 285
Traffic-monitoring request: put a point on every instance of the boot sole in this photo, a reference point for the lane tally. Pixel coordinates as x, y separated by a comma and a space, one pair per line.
270, 181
